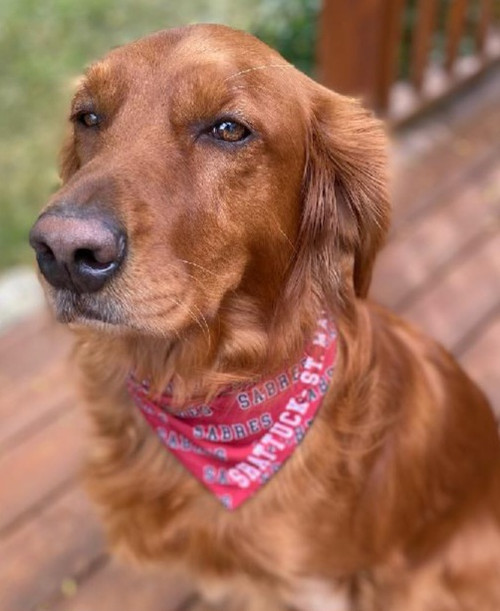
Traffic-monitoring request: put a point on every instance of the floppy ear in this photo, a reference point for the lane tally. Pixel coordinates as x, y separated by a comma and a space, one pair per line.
68, 159
345, 207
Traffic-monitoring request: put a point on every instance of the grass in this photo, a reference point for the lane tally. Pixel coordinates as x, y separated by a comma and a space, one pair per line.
44, 46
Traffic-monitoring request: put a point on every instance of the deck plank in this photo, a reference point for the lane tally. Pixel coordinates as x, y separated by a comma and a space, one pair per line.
60, 544
108, 588
30, 345
457, 303
443, 159
417, 254
40, 465
22, 411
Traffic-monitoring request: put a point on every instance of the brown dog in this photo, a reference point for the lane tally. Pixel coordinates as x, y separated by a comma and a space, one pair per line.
217, 203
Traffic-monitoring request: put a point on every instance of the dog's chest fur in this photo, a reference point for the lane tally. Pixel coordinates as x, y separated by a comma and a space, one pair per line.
182, 524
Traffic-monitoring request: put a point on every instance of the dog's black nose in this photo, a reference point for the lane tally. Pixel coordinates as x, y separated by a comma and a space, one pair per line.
77, 253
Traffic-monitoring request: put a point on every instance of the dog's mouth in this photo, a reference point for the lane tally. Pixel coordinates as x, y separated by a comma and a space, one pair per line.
70, 307
107, 311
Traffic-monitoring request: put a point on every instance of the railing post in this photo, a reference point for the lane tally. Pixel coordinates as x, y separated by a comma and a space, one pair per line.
422, 40
357, 47
455, 29
390, 46
348, 46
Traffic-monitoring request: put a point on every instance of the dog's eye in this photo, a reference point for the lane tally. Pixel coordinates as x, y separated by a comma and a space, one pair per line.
229, 131
88, 119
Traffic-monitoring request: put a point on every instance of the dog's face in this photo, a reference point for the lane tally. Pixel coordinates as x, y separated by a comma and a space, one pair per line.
201, 166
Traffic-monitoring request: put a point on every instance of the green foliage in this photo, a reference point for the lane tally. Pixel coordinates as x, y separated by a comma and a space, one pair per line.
290, 27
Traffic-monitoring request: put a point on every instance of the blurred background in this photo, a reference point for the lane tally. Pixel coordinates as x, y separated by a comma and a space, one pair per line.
430, 68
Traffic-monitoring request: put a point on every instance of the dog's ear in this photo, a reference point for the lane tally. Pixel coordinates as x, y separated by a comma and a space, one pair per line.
68, 158
345, 207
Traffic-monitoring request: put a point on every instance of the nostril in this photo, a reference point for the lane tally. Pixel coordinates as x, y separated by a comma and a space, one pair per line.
44, 250
85, 257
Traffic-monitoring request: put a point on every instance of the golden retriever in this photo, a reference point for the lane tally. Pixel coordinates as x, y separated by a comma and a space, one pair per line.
216, 204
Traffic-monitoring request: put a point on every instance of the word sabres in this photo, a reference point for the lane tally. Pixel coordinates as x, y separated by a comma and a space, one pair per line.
259, 394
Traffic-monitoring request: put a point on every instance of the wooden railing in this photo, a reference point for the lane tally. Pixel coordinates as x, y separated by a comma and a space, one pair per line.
402, 55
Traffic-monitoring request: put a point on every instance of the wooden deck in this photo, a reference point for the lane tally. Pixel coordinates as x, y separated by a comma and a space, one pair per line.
441, 269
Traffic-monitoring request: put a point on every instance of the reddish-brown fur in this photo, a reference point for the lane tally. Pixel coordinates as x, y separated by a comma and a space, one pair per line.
392, 501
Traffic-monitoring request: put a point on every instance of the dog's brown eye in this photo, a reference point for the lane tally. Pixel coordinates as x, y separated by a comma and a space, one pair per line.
229, 131
89, 119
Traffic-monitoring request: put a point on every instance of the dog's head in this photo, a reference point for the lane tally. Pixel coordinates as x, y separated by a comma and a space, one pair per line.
204, 173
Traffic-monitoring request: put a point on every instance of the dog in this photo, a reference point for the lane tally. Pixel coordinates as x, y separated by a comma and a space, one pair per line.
257, 423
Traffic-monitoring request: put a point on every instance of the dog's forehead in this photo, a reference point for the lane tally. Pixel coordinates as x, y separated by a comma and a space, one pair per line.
196, 73
187, 54
215, 42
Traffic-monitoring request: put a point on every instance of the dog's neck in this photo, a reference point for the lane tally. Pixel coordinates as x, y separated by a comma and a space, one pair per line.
239, 345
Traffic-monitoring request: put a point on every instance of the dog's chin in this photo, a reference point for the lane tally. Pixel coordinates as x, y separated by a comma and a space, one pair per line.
86, 310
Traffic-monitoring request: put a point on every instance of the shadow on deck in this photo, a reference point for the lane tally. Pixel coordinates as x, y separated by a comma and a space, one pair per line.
440, 269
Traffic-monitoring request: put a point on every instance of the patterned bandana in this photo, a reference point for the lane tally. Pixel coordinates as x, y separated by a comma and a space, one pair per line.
239, 440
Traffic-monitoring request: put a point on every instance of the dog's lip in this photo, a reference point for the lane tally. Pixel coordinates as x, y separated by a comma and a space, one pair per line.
101, 312
86, 316
82, 322
71, 307
83, 317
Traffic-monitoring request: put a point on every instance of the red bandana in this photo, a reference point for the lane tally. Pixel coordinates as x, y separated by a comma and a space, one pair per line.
234, 444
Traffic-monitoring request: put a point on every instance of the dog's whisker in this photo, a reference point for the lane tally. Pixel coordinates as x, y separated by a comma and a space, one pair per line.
283, 233
205, 323
204, 289
205, 329
199, 266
